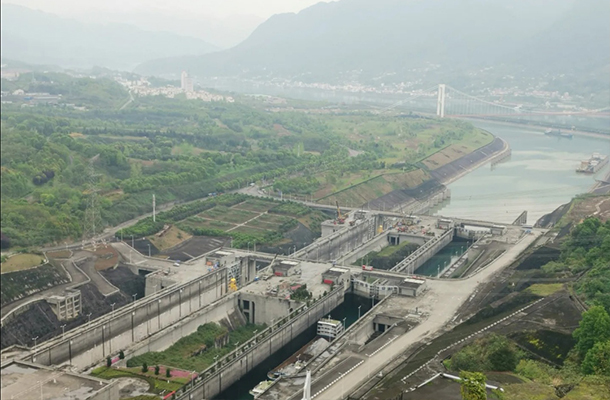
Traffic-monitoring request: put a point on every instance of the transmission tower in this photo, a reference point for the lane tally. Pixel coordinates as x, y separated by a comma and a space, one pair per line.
93, 218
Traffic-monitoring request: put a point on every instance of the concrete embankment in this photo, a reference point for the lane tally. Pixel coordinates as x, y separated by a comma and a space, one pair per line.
433, 191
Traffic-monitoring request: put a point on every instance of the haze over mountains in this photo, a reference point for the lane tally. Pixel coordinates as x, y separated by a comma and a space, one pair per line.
402, 38
37, 37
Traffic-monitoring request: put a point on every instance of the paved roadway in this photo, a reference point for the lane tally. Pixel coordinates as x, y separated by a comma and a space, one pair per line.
444, 299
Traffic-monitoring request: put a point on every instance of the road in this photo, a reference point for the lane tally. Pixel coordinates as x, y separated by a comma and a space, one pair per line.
128, 101
443, 300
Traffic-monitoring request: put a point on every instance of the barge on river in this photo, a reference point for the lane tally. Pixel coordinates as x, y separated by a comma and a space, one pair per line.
558, 133
593, 164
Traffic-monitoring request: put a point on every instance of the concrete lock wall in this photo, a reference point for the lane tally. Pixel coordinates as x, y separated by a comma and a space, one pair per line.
215, 312
340, 243
107, 335
232, 371
376, 244
263, 309
424, 253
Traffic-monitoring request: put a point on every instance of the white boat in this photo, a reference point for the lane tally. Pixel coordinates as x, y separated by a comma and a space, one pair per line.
260, 388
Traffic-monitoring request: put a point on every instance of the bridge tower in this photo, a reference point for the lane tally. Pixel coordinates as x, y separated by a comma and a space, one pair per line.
440, 103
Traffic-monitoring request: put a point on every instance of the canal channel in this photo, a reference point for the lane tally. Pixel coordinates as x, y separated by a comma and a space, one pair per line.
348, 310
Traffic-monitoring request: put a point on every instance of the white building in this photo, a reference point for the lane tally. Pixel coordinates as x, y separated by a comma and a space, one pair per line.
329, 328
186, 82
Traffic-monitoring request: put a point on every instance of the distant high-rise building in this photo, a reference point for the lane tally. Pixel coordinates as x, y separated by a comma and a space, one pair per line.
186, 82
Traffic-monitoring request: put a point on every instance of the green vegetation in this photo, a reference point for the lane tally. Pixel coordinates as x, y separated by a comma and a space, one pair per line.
545, 289
196, 352
301, 294
593, 330
46, 150
20, 262
587, 250
472, 386
597, 360
491, 353
387, 257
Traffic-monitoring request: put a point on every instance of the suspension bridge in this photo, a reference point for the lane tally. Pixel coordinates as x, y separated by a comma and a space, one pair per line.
451, 102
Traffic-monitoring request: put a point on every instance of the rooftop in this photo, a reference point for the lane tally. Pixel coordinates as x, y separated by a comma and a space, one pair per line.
26, 381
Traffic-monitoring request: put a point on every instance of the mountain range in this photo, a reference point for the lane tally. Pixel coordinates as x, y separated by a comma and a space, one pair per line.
402, 38
38, 37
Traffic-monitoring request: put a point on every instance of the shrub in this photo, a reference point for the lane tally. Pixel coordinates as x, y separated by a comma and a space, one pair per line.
168, 372
157, 369
121, 355
108, 361
145, 367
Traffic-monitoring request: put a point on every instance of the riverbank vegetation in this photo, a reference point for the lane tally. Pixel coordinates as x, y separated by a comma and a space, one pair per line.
181, 150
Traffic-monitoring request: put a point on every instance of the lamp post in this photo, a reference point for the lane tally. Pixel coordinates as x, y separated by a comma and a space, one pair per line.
148, 249
359, 311
63, 330
35, 339
255, 331
344, 323
132, 242
112, 314
89, 318
134, 297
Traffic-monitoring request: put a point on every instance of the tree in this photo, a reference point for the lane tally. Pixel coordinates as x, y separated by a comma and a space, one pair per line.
597, 360
168, 373
108, 361
144, 367
473, 386
593, 328
157, 370
122, 355
502, 354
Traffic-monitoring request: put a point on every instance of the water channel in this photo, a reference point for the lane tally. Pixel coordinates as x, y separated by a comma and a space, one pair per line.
348, 310
444, 258
539, 176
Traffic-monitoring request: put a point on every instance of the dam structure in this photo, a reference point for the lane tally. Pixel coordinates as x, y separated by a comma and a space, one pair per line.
181, 298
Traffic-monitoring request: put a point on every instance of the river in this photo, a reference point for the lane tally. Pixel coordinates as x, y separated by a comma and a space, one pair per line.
539, 176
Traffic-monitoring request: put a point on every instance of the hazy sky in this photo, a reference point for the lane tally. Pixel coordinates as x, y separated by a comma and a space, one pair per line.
185, 8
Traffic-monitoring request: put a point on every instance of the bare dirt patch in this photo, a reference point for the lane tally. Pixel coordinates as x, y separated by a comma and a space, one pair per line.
106, 257
172, 237
281, 131
59, 254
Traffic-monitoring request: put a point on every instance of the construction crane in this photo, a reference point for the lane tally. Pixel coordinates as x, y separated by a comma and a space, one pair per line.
340, 218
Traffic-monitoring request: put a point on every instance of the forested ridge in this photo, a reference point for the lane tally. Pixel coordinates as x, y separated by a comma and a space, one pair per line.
179, 149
